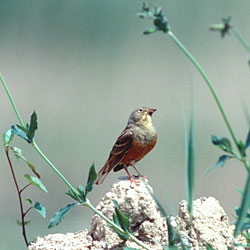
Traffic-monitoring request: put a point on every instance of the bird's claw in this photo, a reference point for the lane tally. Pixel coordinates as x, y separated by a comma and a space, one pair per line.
136, 182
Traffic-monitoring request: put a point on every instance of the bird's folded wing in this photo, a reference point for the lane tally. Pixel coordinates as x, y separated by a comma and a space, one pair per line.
118, 151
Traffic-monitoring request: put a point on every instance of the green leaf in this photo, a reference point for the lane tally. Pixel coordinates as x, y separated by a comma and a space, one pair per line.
19, 223
33, 169
7, 137
222, 143
123, 220
91, 179
123, 236
20, 131
245, 204
82, 195
29, 201
150, 31
220, 163
40, 209
73, 195
247, 143
208, 247
239, 191
32, 127
36, 182
190, 161
58, 216
241, 147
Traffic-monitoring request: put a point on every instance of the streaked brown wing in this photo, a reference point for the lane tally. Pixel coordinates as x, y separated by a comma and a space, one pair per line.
118, 151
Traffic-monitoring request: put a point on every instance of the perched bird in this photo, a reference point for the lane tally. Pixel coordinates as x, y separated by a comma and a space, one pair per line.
136, 140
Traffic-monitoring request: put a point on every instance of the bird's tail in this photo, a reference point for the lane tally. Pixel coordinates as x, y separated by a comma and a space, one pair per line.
102, 174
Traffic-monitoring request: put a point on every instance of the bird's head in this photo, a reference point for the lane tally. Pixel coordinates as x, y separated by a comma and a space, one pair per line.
141, 116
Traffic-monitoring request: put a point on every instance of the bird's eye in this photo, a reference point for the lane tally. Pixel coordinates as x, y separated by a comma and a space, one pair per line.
140, 110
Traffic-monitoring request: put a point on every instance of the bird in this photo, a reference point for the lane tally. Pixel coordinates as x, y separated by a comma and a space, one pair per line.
136, 140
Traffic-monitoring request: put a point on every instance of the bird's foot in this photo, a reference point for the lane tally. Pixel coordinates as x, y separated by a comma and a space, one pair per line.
132, 180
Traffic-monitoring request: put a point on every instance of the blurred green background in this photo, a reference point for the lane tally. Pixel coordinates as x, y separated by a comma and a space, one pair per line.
84, 66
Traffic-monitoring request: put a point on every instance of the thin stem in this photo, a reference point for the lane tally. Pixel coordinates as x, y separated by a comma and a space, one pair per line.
21, 190
53, 167
19, 197
241, 39
12, 102
89, 205
27, 211
210, 86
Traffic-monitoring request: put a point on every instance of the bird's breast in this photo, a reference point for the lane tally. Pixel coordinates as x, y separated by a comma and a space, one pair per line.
143, 142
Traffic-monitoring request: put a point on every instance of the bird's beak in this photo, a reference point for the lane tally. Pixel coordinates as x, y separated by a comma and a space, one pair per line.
151, 111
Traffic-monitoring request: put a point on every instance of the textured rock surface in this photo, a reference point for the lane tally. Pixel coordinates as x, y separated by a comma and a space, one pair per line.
146, 221
69, 241
210, 224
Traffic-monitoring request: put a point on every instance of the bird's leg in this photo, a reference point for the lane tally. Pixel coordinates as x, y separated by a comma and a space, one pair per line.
139, 174
137, 183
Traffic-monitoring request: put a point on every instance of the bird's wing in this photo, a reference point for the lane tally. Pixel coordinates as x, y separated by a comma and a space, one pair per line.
118, 151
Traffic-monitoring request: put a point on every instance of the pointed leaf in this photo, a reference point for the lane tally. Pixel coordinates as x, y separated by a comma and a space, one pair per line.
122, 219
29, 201
222, 143
82, 195
190, 160
122, 235
241, 147
220, 163
19, 131
72, 195
150, 31
58, 216
7, 137
36, 182
32, 127
33, 169
91, 179
239, 191
40, 209
247, 143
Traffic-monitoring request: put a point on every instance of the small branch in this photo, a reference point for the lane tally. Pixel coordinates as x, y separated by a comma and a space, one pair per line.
19, 196
27, 211
21, 190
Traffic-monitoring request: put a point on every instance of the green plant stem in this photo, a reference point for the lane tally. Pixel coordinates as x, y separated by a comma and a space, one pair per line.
53, 167
34, 143
12, 102
89, 205
211, 88
241, 39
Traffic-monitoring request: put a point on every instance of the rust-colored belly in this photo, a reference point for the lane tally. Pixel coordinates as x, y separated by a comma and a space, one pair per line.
137, 151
